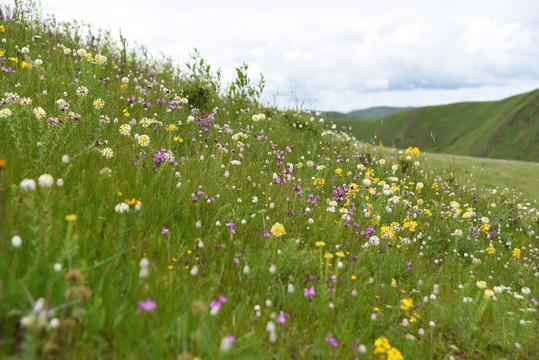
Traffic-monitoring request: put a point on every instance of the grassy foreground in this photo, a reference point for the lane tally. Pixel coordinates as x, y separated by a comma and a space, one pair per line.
149, 212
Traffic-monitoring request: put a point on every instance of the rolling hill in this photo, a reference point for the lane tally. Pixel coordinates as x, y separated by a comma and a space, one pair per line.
506, 129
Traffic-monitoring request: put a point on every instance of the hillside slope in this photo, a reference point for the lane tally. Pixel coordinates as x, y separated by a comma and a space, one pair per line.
506, 129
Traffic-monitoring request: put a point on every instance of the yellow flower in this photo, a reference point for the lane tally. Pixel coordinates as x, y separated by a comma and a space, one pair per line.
123, 86
407, 304
15, 60
131, 202
71, 217
381, 345
328, 256
171, 127
278, 230
340, 254
320, 243
2, 29
178, 139
2, 52
516, 254
394, 354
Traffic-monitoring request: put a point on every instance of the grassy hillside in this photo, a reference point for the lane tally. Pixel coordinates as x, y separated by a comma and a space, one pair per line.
148, 211
506, 129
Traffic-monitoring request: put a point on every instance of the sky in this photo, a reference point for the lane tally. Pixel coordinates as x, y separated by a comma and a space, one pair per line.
340, 55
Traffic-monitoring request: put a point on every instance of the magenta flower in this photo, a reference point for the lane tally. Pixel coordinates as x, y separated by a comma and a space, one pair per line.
164, 230
332, 341
215, 304
147, 305
281, 318
309, 292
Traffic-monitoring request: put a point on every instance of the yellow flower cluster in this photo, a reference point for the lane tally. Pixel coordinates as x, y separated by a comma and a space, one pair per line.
383, 350
413, 152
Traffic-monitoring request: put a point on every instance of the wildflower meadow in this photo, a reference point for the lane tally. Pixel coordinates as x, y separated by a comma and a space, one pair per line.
150, 211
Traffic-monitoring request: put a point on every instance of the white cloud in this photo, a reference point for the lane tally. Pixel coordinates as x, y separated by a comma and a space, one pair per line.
342, 55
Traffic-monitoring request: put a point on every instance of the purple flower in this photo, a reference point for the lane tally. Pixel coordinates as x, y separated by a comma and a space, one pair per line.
222, 299
266, 234
309, 292
215, 304
164, 230
281, 318
332, 341
147, 305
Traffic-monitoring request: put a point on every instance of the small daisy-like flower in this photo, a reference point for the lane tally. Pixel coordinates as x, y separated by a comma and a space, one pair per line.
144, 140
5, 113
107, 153
39, 113
125, 130
98, 104
101, 59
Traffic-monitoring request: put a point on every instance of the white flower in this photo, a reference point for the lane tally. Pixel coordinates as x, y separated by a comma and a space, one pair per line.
65, 159
82, 91
290, 288
54, 323
235, 162
28, 184
374, 240
121, 208
98, 104
432, 323
125, 80
60, 182
5, 113
100, 59
45, 180
246, 270
125, 129
272, 269
16, 241
194, 270
144, 140
39, 113
57, 267
107, 153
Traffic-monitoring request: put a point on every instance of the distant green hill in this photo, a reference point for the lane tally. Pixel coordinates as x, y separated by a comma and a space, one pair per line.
506, 129
377, 112
371, 113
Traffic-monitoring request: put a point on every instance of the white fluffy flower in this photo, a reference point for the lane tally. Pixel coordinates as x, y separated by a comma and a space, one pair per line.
45, 180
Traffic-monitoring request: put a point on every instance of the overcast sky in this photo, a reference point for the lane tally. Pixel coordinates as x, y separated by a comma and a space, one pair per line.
341, 55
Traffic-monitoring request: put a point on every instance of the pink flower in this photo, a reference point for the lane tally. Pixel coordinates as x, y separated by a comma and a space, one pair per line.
164, 230
309, 292
332, 341
147, 305
281, 318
